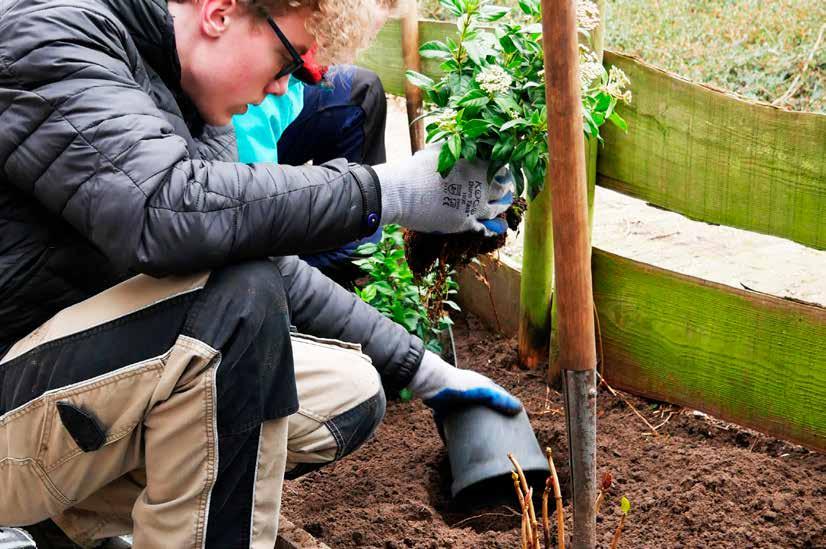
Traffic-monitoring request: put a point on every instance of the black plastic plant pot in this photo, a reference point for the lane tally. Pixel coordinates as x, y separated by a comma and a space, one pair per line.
478, 441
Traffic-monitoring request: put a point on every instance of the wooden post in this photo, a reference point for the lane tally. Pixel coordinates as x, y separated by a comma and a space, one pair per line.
413, 95
572, 257
596, 44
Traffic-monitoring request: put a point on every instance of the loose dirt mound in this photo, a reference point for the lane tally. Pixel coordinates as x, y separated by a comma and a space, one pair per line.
703, 484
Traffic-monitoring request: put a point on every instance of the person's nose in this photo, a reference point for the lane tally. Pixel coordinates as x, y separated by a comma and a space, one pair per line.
278, 87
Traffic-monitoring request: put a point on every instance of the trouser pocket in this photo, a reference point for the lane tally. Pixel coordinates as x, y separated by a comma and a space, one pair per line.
92, 431
46, 465
27, 495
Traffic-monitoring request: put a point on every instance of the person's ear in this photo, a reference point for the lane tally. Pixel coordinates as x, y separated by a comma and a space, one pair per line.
217, 15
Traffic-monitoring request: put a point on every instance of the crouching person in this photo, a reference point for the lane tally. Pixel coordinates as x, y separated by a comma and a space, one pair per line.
150, 380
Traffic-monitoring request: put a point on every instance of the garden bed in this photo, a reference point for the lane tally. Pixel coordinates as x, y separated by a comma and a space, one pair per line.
702, 482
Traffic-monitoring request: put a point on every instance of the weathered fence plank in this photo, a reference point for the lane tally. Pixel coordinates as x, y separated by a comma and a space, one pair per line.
716, 158
749, 358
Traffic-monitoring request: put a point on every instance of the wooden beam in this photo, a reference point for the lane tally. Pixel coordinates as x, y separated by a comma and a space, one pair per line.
412, 61
754, 359
748, 358
716, 158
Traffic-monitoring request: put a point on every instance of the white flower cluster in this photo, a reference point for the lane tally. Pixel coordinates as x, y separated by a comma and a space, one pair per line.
494, 79
590, 69
587, 16
617, 81
446, 120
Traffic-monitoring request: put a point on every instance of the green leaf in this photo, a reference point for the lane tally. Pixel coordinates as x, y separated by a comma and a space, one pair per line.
446, 161
435, 49
521, 151
532, 159
618, 121
418, 79
367, 249
507, 45
474, 128
474, 98
474, 52
451, 304
493, 13
461, 5
513, 123
625, 505
502, 150
508, 104
449, 66
603, 102
525, 7
469, 150
535, 28
493, 168
454, 143
451, 7
518, 177
368, 293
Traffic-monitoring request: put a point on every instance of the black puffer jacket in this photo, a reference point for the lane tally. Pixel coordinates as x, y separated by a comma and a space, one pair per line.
103, 174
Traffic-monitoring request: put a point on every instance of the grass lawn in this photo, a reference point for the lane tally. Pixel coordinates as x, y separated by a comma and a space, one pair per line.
757, 48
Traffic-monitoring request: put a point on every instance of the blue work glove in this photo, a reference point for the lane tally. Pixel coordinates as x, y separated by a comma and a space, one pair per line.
444, 387
415, 196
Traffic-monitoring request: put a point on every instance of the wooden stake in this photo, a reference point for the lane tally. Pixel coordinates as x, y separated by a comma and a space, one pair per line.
412, 60
572, 257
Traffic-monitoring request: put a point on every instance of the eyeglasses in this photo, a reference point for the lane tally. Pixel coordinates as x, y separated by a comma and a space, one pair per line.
296, 62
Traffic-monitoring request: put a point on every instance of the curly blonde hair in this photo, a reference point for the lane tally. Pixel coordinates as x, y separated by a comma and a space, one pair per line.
341, 27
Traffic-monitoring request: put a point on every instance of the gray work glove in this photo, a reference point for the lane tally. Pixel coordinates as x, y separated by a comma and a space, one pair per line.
415, 196
444, 388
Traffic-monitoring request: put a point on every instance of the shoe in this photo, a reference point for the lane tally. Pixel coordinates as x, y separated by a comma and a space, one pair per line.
48, 535
15, 538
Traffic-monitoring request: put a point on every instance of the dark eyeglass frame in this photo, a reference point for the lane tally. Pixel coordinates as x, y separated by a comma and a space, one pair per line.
296, 62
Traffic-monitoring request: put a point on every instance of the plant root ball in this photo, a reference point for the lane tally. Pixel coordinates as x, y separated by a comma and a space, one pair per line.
456, 250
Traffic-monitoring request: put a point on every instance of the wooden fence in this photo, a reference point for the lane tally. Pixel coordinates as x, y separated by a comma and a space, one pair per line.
753, 359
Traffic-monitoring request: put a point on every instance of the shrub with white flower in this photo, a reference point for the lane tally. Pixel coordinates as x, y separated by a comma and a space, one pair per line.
494, 80
490, 101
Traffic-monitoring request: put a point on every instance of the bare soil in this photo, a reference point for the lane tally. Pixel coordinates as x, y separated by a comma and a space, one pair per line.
700, 483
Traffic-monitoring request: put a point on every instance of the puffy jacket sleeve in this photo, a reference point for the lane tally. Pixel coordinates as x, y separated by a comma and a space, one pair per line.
322, 308
82, 134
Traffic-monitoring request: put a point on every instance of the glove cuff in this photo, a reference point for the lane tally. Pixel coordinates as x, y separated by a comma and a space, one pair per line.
431, 377
391, 203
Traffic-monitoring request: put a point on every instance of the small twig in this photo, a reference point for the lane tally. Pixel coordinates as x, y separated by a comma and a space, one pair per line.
546, 521
618, 532
551, 412
474, 517
483, 278
560, 513
628, 403
605, 485
521, 498
664, 422
534, 524
793, 87
525, 488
